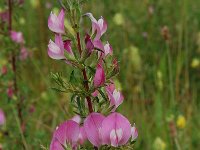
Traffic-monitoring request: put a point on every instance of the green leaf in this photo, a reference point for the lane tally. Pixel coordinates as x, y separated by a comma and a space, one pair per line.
103, 95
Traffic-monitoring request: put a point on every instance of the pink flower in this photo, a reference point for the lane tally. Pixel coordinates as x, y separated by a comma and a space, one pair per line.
10, 92
4, 70
114, 95
99, 78
66, 134
134, 133
56, 50
23, 53
108, 49
2, 117
116, 130
56, 23
17, 37
92, 126
99, 26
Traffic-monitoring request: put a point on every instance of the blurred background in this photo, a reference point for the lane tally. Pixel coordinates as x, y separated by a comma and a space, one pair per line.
158, 46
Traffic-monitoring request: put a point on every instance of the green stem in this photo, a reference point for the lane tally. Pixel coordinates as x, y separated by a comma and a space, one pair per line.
20, 129
171, 84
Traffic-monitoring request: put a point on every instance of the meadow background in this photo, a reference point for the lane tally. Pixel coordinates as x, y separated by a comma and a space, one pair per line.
158, 46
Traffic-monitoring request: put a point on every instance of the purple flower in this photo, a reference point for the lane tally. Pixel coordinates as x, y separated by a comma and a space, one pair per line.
2, 117
92, 126
99, 78
17, 37
114, 95
56, 23
66, 134
116, 130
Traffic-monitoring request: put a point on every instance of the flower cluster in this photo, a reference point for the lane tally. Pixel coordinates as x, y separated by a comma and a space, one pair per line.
18, 38
112, 129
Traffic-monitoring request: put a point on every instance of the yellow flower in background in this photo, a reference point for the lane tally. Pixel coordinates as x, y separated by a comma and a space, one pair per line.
195, 63
159, 74
135, 58
44, 96
159, 144
118, 19
181, 122
34, 3
21, 21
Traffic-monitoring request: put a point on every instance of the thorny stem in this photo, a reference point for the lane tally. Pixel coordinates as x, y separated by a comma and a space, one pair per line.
84, 75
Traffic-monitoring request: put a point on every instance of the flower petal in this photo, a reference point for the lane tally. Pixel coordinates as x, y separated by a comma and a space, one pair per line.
95, 26
67, 132
82, 136
56, 23
56, 50
99, 78
2, 117
108, 49
92, 126
77, 119
67, 46
103, 25
134, 133
89, 44
17, 36
116, 130
55, 145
